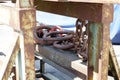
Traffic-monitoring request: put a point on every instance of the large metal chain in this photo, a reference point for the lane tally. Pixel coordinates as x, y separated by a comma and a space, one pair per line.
81, 39
78, 40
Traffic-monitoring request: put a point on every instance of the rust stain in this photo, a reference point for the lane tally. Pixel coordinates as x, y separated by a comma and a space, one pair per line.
27, 19
107, 13
27, 24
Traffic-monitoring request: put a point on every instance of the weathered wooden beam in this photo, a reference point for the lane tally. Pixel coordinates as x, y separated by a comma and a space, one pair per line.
86, 11
114, 66
88, 1
4, 0
66, 59
107, 15
89, 11
24, 3
9, 15
27, 22
98, 52
94, 49
11, 61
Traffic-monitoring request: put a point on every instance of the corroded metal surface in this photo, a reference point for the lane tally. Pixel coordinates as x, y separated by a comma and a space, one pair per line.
47, 35
38, 33
65, 44
27, 22
69, 35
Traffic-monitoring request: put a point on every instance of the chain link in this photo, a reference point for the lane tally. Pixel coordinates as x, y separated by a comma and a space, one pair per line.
81, 39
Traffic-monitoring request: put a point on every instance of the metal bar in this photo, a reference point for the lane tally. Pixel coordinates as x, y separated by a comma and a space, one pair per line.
94, 48
42, 66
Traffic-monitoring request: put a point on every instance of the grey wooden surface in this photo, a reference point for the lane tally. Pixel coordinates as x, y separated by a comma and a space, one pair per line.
8, 40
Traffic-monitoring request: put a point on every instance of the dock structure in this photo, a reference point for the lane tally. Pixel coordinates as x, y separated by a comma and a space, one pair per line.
20, 16
20, 50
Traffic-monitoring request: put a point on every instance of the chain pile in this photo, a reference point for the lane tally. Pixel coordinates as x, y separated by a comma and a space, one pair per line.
47, 35
66, 40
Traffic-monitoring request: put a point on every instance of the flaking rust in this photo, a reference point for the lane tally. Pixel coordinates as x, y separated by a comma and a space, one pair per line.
27, 22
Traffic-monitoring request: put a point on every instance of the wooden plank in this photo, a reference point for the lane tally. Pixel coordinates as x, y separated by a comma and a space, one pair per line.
116, 49
4, 0
71, 73
66, 59
79, 66
88, 1
63, 58
85, 11
115, 68
50, 76
10, 47
8, 14
24, 3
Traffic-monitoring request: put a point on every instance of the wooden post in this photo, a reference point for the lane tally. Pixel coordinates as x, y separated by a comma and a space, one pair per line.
95, 45
103, 53
107, 17
98, 56
27, 17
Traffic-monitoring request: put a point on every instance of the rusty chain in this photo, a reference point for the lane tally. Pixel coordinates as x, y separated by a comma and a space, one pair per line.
81, 39
47, 35
77, 41
38, 33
